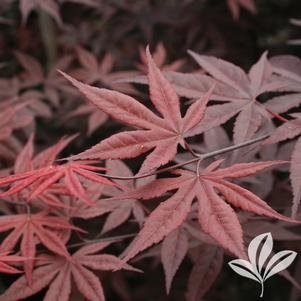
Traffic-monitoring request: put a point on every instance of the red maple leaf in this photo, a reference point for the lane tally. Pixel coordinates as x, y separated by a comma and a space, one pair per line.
34, 75
240, 90
33, 229
162, 135
215, 216
93, 71
35, 177
41, 179
59, 272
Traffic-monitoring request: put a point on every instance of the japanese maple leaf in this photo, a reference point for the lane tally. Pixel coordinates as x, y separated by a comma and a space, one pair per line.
26, 161
49, 6
41, 179
159, 57
6, 259
241, 90
34, 75
290, 130
234, 6
33, 229
36, 176
211, 188
93, 71
58, 273
162, 135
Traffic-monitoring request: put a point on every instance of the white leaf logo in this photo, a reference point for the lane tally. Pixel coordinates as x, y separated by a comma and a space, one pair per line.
261, 265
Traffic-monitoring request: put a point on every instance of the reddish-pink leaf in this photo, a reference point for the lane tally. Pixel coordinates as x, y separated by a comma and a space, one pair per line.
161, 135
58, 273
216, 217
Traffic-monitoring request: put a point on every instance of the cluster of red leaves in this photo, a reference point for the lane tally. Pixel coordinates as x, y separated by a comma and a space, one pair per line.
202, 208
41, 180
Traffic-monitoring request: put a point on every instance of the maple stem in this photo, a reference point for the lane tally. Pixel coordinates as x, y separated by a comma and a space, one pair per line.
28, 209
189, 149
234, 147
198, 167
198, 158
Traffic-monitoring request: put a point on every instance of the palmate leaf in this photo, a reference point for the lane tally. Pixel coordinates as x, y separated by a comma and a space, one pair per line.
93, 71
31, 230
35, 177
239, 90
58, 273
52, 82
245, 89
39, 180
161, 134
215, 216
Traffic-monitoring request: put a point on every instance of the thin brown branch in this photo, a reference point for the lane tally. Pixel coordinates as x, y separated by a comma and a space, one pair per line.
198, 158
